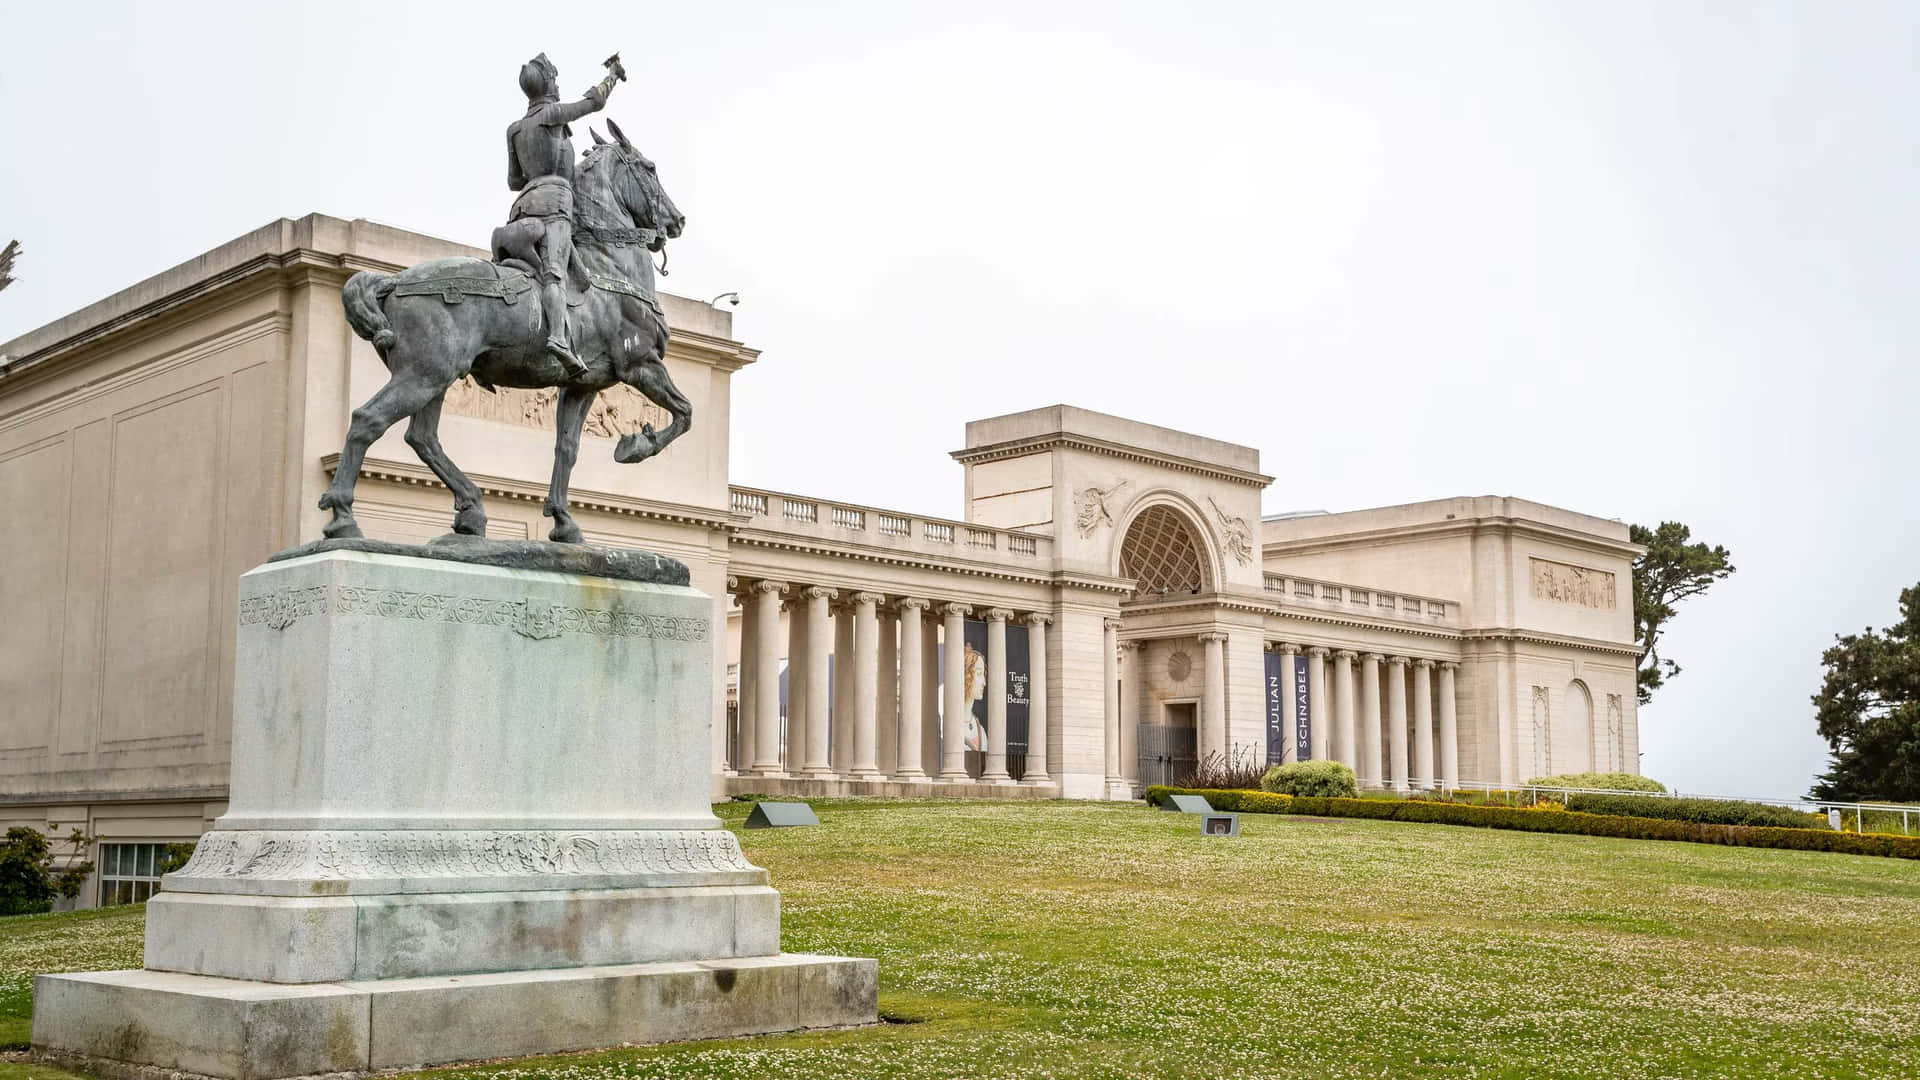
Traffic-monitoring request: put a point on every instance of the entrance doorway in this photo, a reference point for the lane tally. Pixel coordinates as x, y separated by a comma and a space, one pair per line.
1169, 749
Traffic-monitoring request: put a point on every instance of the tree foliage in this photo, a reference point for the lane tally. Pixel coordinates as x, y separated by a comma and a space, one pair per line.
1674, 569
28, 880
1868, 710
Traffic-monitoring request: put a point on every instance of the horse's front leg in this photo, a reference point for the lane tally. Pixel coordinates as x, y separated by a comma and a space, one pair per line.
569, 417
652, 381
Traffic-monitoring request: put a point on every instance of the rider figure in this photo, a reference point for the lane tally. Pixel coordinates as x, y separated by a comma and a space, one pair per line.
540, 168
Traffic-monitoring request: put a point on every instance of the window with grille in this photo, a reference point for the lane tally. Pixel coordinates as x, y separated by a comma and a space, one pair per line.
130, 873
1162, 554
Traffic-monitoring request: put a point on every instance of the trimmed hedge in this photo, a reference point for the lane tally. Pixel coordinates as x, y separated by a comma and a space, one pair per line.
1556, 820
1324, 778
1614, 781
1230, 800
1700, 811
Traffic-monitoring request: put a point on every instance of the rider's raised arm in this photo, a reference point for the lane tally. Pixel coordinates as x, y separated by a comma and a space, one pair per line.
568, 112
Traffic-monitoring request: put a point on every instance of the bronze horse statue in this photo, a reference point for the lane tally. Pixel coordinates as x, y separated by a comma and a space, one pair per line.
440, 320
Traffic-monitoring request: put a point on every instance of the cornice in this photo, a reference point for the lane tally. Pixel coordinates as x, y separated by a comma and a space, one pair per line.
740, 536
1331, 619
1054, 440
287, 268
1439, 529
1541, 637
395, 472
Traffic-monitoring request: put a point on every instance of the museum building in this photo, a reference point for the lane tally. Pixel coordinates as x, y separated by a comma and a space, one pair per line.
1108, 608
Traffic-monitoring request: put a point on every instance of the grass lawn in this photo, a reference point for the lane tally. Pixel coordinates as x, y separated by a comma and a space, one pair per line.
1096, 940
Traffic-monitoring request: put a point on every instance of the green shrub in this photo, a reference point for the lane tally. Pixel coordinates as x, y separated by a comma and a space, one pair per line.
1314, 779
1231, 800
1609, 781
1556, 820
28, 880
1701, 811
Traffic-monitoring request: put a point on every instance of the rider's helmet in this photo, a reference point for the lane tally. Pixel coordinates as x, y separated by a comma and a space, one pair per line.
539, 79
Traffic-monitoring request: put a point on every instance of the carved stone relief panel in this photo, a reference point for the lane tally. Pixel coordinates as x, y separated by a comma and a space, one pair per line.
1542, 729
1616, 733
1580, 586
618, 410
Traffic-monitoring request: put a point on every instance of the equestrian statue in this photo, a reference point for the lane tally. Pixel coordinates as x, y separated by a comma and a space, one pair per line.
567, 302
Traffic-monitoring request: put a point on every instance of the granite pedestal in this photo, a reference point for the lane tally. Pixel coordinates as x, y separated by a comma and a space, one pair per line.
468, 819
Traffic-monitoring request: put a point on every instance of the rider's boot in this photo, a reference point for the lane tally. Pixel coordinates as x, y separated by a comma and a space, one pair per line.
553, 305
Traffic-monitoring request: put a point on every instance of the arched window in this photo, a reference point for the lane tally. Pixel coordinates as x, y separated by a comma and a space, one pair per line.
1163, 554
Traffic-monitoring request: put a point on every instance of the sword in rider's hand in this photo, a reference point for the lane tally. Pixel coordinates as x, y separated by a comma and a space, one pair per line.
614, 67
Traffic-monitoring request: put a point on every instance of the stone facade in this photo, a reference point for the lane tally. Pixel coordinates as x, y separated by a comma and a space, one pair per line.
1463, 640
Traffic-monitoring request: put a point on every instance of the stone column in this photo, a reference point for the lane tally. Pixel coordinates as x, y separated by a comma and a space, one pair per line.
1130, 681
1317, 711
886, 697
1423, 723
1110, 688
1288, 652
953, 724
912, 686
1369, 771
797, 660
865, 661
819, 640
1397, 720
1036, 700
764, 614
744, 713
930, 696
844, 665
994, 769
1213, 695
1345, 746
1449, 729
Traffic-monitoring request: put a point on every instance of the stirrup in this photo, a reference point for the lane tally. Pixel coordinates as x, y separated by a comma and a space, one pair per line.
574, 366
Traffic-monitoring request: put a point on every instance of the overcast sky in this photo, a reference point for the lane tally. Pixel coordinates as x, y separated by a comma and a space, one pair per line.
1646, 261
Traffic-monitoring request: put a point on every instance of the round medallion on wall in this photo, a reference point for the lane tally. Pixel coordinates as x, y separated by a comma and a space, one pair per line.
1179, 666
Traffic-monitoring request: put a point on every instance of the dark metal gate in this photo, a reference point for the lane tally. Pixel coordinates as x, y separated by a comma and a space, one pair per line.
1167, 751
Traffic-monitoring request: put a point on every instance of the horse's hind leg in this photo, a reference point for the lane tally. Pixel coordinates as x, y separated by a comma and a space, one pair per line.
423, 434
405, 394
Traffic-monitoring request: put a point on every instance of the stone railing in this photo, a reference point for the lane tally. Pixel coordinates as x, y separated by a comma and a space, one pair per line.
846, 522
1362, 600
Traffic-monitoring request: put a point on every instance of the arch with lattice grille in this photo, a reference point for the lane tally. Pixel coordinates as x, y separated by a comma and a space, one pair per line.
1165, 553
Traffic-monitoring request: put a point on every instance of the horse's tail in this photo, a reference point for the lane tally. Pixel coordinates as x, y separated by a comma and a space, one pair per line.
363, 295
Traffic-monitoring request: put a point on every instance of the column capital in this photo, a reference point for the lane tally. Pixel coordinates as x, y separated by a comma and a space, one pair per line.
1110, 624
999, 614
819, 592
1132, 644
1286, 646
955, 609
1373, 658
1318, 652
767, 585
1037, 618
1398, 661
1346, 656
914, 602
1449, 666
874, 598
1213, 638
1424, 664
733, 583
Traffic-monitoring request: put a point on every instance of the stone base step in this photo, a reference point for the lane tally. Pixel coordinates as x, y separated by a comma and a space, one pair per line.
156, 1023
802, 787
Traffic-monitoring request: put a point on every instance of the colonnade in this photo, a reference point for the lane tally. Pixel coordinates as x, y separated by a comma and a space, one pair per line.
881, 719
1368, 727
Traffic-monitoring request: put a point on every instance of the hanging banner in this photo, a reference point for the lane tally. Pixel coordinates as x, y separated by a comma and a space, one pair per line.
1279, 694
1302, 715
974, 677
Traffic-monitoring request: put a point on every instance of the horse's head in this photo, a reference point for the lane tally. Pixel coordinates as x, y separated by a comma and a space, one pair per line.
635, 184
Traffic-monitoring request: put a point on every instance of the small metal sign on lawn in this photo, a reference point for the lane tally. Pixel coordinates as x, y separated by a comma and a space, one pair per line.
1187, 804
779, 815
1220, 825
